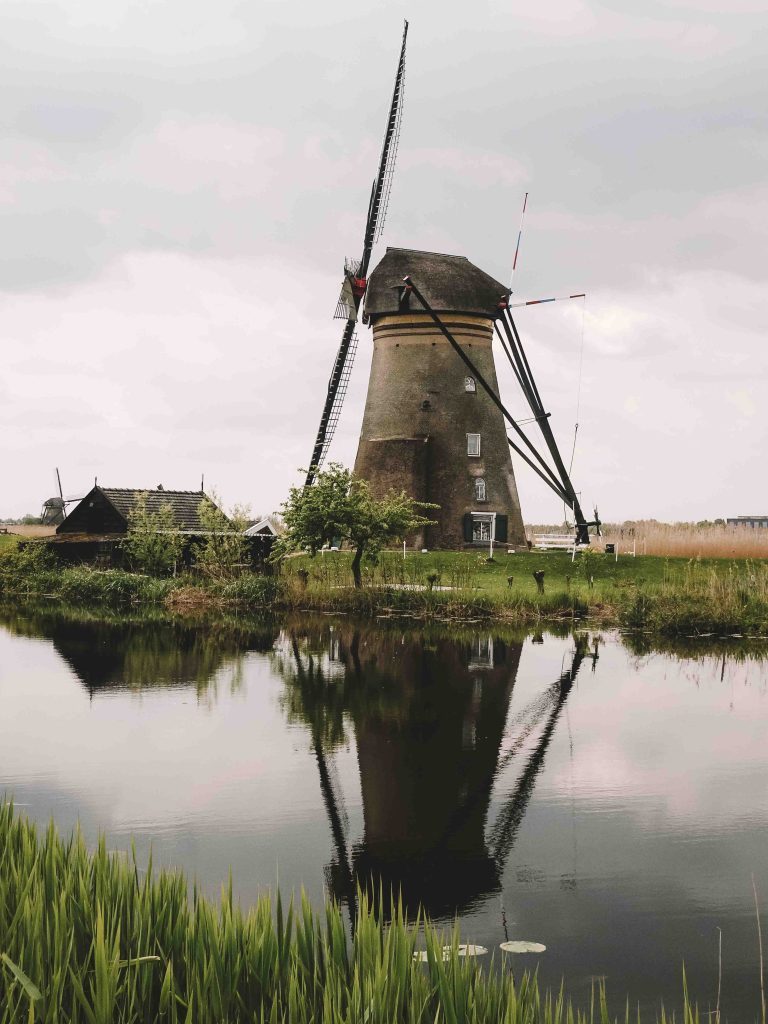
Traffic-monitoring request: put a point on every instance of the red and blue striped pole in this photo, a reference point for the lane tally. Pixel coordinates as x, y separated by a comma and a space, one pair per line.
538, 302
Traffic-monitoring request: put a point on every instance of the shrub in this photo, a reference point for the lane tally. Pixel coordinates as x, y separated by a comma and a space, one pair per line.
153, 543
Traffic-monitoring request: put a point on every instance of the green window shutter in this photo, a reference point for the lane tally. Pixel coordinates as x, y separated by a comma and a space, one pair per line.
468, 526
501, 529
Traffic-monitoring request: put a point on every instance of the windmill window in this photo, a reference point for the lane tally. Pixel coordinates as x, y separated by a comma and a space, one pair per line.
473, 445
469, 385
481, 657
480, 489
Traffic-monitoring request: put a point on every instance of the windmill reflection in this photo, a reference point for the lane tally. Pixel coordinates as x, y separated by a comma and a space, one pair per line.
434, 728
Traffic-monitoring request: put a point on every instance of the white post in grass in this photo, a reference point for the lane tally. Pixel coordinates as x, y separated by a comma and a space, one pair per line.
493, 531
403, 550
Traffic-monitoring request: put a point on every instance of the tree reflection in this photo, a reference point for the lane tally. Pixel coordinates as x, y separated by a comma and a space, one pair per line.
113, 654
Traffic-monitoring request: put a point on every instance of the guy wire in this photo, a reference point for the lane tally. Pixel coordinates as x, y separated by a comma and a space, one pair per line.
578, 393
578, 388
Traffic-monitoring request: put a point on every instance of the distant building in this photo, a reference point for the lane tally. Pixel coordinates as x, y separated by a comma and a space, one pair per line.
753, 521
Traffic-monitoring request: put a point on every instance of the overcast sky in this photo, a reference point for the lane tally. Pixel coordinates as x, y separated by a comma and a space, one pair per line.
180, 182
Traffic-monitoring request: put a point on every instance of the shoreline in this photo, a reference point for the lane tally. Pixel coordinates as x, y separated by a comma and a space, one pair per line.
667, 598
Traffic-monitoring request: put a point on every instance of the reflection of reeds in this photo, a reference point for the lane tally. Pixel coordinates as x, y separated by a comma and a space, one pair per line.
85, 937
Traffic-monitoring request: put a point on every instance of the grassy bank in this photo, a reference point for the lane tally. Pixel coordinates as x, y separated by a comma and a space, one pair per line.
667, 596
89, 937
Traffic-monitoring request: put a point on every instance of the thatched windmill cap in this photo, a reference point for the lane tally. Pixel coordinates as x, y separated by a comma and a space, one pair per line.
448, 283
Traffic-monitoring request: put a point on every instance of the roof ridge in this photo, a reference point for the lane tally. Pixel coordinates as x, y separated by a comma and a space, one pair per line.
147, 490
427, 252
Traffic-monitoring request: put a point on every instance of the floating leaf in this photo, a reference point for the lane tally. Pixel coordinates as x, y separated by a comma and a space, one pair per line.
521, 946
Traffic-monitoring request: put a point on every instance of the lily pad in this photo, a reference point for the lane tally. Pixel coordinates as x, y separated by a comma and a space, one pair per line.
521, 946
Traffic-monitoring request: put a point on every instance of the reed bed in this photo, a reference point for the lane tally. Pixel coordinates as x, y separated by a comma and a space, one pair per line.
88, 937
688, 540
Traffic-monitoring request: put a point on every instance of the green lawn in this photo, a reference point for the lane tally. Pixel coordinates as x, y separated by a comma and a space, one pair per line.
470, 570
7, 540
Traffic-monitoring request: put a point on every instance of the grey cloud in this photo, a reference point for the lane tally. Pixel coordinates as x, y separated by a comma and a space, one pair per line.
233, 147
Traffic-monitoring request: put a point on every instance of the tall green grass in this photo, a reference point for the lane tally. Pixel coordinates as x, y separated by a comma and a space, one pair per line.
88, 938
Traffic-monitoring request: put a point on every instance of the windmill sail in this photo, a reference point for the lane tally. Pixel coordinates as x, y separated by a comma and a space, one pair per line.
354, 285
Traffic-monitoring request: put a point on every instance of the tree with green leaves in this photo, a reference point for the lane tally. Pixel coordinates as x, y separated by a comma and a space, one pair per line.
223, 549
340, 507
153, 543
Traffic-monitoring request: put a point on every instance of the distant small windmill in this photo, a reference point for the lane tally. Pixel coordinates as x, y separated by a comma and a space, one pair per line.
55, 509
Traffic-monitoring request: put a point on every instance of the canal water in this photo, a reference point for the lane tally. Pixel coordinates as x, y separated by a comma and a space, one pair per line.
585, 791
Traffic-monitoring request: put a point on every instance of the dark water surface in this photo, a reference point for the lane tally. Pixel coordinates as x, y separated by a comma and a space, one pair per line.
609, 803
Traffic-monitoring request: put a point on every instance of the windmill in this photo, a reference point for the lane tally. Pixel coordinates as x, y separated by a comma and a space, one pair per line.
430, 427
55, 509
355, 271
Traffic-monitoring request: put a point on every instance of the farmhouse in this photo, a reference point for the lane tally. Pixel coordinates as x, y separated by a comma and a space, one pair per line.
107, 510
96, 526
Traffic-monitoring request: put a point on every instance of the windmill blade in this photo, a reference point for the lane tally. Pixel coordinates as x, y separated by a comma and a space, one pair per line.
353, 287
382, 186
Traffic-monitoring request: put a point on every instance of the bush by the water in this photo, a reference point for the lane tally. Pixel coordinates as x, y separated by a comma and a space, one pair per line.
89, 938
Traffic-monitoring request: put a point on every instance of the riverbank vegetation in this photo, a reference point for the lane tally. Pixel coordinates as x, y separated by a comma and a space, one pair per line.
91, 937
673, 597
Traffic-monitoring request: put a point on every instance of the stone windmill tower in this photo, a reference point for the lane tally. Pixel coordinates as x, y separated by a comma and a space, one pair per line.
429, 427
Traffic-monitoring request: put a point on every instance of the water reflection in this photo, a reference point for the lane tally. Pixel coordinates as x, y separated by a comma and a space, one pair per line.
114, 655
618, 816
430, 720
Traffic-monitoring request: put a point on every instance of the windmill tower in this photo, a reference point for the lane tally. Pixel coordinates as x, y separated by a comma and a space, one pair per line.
429, 427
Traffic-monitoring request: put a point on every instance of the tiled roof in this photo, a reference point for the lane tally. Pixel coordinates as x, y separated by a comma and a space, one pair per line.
448, 283
185, 505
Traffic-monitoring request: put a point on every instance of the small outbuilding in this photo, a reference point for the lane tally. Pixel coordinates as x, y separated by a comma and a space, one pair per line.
264, 528
262, 536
